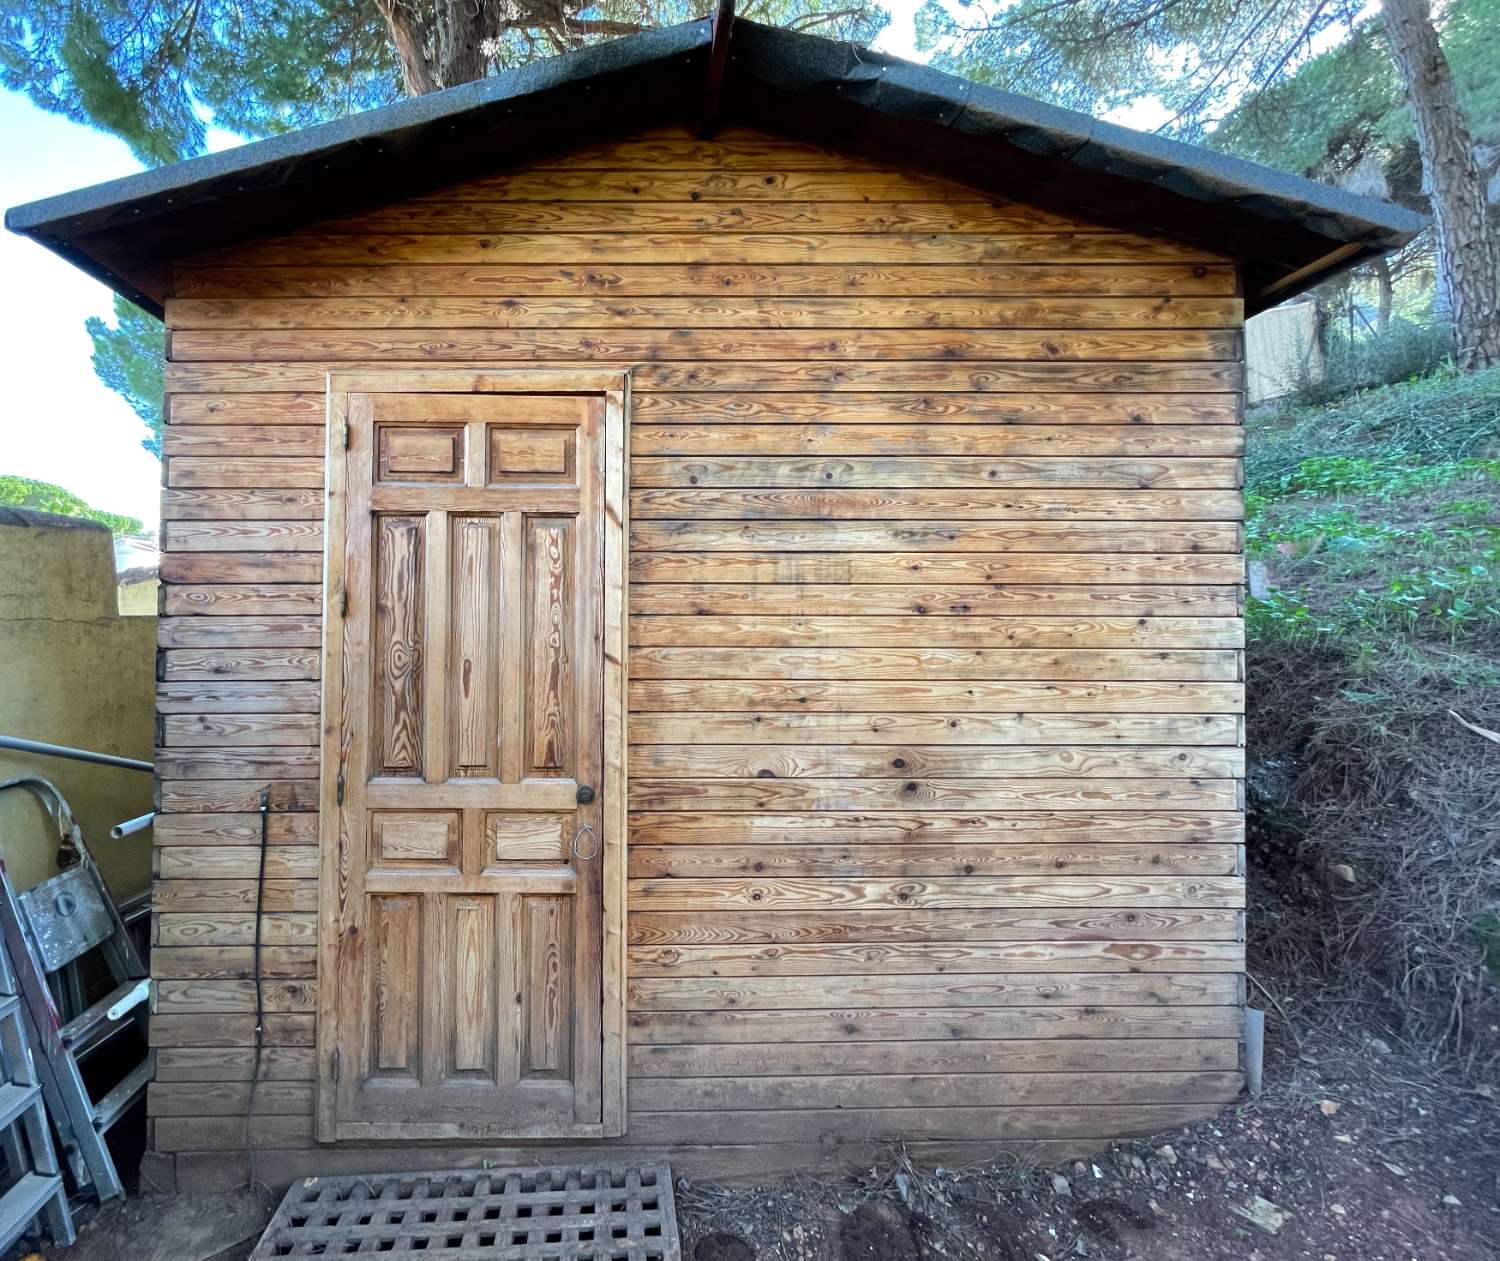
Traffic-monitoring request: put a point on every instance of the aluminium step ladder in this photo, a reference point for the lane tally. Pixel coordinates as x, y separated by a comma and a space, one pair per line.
44, 931
35, 1187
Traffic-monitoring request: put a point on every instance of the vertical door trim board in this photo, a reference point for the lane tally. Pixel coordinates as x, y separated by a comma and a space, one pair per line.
614, 387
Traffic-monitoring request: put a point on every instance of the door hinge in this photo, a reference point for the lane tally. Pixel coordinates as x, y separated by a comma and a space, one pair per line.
346, 435
344, 602
338, 788
338, 1064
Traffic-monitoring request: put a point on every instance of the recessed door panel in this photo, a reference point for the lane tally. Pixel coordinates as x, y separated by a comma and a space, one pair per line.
397, 600
550, 648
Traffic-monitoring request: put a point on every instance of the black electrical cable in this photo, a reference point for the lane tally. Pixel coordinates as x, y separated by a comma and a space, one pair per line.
260, 1007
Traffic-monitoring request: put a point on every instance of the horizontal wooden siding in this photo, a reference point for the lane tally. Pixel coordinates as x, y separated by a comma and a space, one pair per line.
935, 734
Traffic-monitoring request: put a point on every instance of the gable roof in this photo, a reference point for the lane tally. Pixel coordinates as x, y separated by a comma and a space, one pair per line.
1288, 233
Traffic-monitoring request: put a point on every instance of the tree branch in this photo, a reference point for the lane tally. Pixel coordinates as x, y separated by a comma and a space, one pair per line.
408, 38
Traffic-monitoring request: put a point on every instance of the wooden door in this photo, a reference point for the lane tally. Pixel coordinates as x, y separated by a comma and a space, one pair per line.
463, 920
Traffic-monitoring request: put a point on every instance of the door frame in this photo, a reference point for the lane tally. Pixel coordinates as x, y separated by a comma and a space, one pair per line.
614, 387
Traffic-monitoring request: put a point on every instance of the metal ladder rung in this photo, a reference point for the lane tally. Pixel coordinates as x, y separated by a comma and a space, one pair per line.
99, 1014
14, 1100
20, 1205
112, 1107
44, 930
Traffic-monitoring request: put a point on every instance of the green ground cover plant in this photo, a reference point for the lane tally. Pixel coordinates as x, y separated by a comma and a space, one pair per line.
1373, 533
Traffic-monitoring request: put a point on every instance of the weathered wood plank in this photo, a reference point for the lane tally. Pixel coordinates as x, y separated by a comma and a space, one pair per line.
733, 377
1206, 665
774, 182
928, 439
233, 829
929, 631
853, 1024
180, 963
179, 897
245, 472
220, 929
239, 729
992, 1123
937, 536
885, 862
211, 1030
747, 929
239, 632
242, 536
918, 598
226, 862
630, 346
931, 959
261, 440
220, 1064
179, 1134
1019, 989
242, 664
774, 1061
885, 568
699, 248
716, 312
942, 1090
937, 472
255, 697
269, 409
453, 212
919, 695
243, 599
697, 279
991, 409
837, 761
759, 830
937, 893
924, 504
882, 728
204, 1099
239, 568
248, 503
197, 796
176, 998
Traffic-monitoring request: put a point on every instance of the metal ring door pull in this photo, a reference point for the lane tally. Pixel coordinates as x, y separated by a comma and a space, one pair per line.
593, 843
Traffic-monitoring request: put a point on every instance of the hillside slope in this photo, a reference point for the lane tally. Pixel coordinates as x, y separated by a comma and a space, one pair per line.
1373, 530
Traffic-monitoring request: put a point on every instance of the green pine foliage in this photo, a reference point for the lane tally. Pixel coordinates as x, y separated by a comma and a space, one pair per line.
128, 359
1345, 106
154, 72
1099, 55
24, 492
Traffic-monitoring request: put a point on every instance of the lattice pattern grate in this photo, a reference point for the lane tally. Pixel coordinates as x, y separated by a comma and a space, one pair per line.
592, 1213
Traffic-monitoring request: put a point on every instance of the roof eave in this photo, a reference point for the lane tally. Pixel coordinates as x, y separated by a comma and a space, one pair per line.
1287, 232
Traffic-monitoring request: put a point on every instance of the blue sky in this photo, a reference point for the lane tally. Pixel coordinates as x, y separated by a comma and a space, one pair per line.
60, 424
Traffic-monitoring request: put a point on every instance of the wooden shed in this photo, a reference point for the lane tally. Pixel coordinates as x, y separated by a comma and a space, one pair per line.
727, 582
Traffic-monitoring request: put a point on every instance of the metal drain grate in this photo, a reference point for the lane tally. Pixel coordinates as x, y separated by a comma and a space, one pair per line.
592, 1213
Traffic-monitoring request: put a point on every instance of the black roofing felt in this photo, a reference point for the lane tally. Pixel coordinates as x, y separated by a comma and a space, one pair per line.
1288, 233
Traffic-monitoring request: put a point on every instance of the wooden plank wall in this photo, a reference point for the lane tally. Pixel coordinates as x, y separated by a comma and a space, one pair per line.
936, 737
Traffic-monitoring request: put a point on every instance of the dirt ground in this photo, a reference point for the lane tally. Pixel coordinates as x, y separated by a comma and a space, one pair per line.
1357, 1151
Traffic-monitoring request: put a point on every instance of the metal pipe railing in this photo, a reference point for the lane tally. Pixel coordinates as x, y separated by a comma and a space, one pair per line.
131, 826
74, 755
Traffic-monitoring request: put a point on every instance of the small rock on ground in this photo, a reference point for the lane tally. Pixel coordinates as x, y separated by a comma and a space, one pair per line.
877, 1231
722, 1247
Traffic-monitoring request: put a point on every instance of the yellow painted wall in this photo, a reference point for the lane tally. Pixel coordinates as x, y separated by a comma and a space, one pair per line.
138, 599
72, 671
